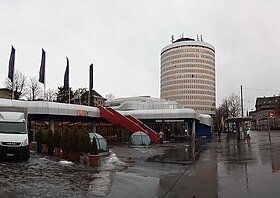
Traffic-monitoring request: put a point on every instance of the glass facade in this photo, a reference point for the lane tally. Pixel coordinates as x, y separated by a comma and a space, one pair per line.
45, 125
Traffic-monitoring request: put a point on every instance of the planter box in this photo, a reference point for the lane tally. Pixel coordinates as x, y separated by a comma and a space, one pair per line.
94, 160
50, 150
57, 151
39, 147
45, 149
85, 157
74, 156
65, 154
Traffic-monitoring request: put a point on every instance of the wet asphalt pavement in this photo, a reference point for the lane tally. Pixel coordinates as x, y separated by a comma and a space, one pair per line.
231, 168
225, 168
44, 176
49, 177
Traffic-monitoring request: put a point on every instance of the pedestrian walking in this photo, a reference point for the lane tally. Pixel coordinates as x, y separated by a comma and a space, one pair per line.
161, 134
248, 134
219, 132
172, 137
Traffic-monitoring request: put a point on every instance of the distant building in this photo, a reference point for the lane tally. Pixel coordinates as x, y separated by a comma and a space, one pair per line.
266, 109
95, 99
7, 93
253, 115
188, 74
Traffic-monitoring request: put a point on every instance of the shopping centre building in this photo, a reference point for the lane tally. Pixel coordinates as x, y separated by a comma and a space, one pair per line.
164, 115
118, 120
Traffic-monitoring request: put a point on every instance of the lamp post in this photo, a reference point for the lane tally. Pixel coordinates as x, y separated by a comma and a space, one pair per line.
268, 125
242, 113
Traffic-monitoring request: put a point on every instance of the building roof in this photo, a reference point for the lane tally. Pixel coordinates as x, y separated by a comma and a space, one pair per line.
146, 107
172, 114
7, 90
267, 100
187, 42
141, 103
183, 39
95, 94
238, 119
162, 113
52, 108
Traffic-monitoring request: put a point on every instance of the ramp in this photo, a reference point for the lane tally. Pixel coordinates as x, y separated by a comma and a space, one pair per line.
131, 123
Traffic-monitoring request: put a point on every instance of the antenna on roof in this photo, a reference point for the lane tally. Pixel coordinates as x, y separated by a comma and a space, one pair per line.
182, 35
197, 38
172, 38
201, 38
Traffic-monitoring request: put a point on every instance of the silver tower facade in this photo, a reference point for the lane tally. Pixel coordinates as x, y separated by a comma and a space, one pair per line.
188, 74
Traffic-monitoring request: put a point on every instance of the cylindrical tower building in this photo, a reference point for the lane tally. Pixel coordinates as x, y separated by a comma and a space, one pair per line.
188, 74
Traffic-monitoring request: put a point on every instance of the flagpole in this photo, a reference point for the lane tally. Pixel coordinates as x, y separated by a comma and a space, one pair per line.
45, 81
12, 90
89, 88
69, 94
13, 94
69, 82
45, 97
90, 82
88, 97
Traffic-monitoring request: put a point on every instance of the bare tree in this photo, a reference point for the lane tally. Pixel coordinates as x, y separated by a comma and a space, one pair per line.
34, 91
79, 95
19, 84
51, 95
110, 96
234, 105
230, 106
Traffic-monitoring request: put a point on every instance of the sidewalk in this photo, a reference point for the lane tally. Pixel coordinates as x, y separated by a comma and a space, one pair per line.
231, 168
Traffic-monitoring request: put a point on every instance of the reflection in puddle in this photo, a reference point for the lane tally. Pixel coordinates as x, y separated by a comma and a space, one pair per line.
183, 154
139, 185
44, 176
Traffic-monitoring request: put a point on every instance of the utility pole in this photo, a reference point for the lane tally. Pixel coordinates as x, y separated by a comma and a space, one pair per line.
242, 113
241, 133
227, 115
268, 125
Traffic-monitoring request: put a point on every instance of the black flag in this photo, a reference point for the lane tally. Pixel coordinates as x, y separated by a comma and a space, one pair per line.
66, 76
12, 64
91, 77
42, 67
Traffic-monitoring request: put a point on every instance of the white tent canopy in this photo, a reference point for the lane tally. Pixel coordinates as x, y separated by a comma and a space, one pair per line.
140, 138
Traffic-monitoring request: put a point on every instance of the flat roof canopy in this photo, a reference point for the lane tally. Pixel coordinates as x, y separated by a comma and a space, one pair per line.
239, 119
52, 108
169, 114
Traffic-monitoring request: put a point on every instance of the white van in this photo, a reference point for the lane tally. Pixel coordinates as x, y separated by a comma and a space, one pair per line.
13, 136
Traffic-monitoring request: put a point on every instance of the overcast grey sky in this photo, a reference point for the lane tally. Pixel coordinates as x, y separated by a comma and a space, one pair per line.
124, 38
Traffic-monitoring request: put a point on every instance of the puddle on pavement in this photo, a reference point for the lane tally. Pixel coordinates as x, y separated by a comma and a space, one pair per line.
146, 186
183, 154
43, 176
